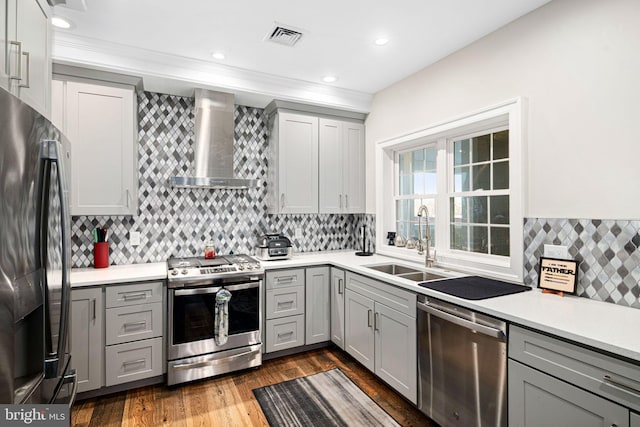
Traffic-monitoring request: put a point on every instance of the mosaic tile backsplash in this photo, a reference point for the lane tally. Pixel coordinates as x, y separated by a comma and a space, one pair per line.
607, 250
177, 222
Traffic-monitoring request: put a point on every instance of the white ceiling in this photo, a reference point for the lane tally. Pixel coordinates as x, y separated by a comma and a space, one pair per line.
177, 37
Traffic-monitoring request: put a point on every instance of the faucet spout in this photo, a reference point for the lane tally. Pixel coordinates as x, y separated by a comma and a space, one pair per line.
428, 261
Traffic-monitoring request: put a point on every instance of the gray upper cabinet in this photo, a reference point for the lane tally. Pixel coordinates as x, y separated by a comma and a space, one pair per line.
100, 122
25, 52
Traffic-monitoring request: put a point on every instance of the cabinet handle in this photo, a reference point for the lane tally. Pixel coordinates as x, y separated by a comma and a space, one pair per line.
620, 383
286, 279
28, 56
127, 198
19, 75
130, 325
132, 362
346, 202
282, 201
93, 308
129, 297
285, 334
283, 303
369, 318
375, 321
340, 291
340, 196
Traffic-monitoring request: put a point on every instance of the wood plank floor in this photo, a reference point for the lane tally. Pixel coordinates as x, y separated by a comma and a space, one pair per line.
228, 400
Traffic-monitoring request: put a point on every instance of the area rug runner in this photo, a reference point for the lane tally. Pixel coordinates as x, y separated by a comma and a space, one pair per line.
325, 399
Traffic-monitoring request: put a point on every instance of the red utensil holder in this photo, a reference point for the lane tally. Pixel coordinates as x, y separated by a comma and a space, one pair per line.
101, 255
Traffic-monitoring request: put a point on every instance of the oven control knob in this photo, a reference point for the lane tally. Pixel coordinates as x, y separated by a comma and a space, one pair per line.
240, 267
174, 272
184, 271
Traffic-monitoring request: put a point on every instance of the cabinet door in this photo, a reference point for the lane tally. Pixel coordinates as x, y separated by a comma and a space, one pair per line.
317, 322
337, 307
86, 343
353, 167
395, 350
635, 420
32, 30
100, 127
358, 333
537, 399
298, 164
332, 196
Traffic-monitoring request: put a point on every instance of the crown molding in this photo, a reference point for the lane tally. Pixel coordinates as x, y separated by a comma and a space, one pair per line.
178, 75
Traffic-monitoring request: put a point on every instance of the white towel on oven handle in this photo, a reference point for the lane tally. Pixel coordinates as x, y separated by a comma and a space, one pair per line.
221, 322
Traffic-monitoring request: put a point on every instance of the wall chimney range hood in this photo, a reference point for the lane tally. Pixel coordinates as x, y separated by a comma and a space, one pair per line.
213, 147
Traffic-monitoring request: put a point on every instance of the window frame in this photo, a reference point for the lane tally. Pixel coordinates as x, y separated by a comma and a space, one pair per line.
509, 114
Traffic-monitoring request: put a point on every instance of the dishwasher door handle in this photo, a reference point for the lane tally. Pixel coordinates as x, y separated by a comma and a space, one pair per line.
486, 330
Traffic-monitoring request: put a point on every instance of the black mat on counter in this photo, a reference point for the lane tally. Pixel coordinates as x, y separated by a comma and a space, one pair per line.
474, 287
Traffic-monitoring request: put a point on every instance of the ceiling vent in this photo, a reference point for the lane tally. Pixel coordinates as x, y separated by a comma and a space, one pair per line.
287, 36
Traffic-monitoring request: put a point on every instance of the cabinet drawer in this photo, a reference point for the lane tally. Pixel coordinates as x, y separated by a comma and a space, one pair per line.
598, 373
285, 302
133, 294
133, 323
285, 278
133, 361
284, 333
396, 298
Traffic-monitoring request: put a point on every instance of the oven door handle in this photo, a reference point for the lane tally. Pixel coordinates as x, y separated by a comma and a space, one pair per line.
196, 291
212, 362
241, 286
476, 327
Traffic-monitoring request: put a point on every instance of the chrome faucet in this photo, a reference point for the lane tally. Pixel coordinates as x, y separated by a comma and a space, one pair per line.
428, 261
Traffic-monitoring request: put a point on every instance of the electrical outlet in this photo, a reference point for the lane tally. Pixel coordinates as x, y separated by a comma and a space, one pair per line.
134, 238
556, 251
298, 233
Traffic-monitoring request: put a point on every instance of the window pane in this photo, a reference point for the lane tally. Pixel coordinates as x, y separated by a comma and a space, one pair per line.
500, 241
481, 148
501, 175
413, 234
402, 210
461, 152
431, 156
501, 145
459, 237
458, 209
406, 184
418, 160
461, 179
479, 241
482, 177
405, 163
499, 209
419, 183
477, 209
431, 183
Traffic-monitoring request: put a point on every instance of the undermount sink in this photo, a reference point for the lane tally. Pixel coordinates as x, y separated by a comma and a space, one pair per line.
406, 272
394, 269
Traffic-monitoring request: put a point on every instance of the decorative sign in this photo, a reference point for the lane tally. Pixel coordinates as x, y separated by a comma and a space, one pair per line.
559, 275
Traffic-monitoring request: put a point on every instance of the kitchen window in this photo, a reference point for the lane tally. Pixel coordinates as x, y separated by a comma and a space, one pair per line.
468, 173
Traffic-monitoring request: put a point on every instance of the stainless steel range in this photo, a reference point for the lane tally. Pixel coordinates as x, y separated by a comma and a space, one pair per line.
214, 316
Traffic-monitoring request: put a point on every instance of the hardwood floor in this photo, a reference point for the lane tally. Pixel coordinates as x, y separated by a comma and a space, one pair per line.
228, 400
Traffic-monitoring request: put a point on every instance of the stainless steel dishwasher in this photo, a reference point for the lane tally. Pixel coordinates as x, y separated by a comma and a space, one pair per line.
462, 365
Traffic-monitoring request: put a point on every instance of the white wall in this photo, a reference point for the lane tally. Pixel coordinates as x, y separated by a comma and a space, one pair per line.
578, 64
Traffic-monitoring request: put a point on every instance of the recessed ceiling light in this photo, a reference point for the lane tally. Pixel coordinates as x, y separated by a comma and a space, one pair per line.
59, 22
329, 79
381, 41
218, 55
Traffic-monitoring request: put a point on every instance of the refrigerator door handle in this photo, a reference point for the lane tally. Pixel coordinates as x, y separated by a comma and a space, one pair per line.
71, 377
51, 152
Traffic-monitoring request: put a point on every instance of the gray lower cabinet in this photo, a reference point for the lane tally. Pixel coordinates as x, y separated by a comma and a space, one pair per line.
634, 420
133, 332
284, 309
317, 312
337, 306
539, 400
555, 382
380, 331
86, 342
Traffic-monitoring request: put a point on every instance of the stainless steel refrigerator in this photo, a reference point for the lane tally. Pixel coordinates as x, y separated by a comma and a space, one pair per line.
34, 258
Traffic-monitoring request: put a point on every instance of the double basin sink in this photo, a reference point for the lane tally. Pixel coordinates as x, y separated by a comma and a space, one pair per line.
406, 272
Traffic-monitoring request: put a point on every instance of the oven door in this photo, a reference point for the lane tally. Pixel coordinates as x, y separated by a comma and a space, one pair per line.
192, 316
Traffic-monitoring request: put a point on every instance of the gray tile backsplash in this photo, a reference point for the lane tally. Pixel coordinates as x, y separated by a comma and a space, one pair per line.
607, 250
177, 222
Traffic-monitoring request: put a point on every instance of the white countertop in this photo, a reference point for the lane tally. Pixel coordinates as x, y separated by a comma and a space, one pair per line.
605, 326
118, 274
